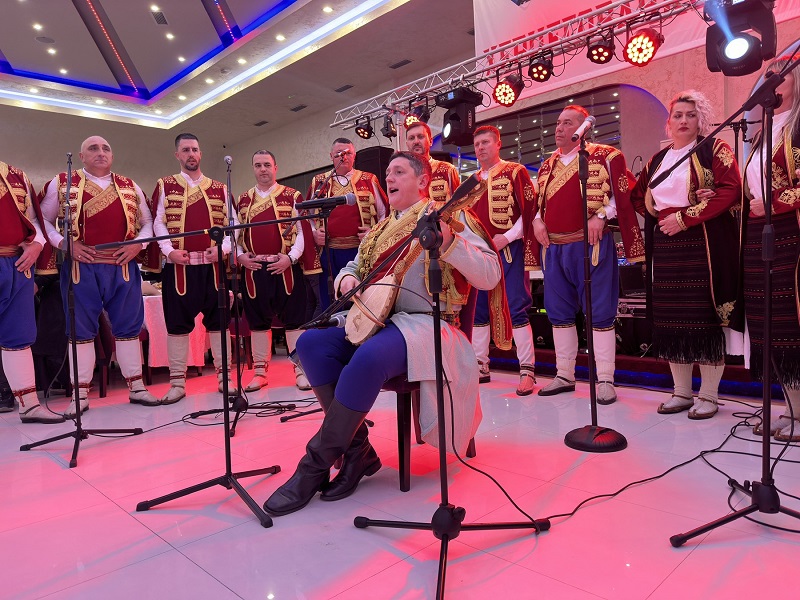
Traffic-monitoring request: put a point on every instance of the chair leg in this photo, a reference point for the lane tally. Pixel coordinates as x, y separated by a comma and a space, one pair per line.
147, 372
471, 449
248, 350
415, 413
404, 440
103, 380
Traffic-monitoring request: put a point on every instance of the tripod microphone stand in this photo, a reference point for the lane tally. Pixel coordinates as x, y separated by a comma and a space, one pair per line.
447, 521
79, 433
764, 495
229, 479
591, 438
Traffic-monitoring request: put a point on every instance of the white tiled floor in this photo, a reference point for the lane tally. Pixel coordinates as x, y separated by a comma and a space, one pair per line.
75, 533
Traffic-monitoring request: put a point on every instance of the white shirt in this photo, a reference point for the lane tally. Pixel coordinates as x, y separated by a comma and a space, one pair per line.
755, 178
160, 224
50, 205
673, 192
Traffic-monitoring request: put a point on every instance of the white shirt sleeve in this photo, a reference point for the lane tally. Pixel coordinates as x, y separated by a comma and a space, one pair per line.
611, 208
296, 251
145, 217
49, 207
380, 209
160, 225
30, 212
515, 232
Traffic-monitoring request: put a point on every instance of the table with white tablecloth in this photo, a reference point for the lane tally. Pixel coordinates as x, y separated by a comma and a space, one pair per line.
157, 332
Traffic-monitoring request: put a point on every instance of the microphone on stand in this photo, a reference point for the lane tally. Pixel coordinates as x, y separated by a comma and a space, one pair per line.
327, 203
337, 320
587, 124
340, 153
228, 160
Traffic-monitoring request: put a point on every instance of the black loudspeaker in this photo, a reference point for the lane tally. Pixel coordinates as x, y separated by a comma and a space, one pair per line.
374, 160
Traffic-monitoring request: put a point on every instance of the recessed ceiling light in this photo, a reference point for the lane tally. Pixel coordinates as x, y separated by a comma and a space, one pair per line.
327, 9
37, 26
499, 126
242, 61
615, 94
51, 50
616, 116
571, 100
280, 37
153, 8
99, 101
63, 71
181, 59
181, 97
209, 81
170, 36
158, 111
34, 90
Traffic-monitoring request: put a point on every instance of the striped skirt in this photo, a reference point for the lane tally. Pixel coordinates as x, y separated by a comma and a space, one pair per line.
785, 326
686, 328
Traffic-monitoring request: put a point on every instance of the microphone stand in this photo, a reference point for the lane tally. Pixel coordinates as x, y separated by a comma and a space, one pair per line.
447, 521
591, 438
764, 495
326, 247
238, 399
229, 479
79, 434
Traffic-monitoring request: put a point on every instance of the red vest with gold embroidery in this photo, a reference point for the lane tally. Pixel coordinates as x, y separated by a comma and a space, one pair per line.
15, 199
444, 180
100, 216
192, 209
345, 220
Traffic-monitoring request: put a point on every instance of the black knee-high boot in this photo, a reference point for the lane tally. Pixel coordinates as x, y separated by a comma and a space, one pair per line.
360, 460
328, 444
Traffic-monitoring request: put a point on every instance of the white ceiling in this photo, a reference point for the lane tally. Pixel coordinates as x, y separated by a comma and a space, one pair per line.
352, 45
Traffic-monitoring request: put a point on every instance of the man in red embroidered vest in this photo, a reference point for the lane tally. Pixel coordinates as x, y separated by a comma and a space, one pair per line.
189, 201
504, 202
21, 242
272, 257
104, 207
445, 178
347, 225
558, 227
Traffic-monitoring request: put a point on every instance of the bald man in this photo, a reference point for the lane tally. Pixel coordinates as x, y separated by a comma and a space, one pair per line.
104, 207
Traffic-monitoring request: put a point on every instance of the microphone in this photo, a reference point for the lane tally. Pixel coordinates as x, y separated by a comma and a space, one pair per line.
587, 124
228, 160
337, 320
340, 153
327, 203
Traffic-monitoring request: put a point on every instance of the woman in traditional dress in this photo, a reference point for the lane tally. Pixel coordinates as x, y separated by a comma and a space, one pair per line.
785, 203
692, 248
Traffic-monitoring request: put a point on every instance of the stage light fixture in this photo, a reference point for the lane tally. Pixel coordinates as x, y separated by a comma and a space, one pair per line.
729, 48
364, 131
541, 67
642, 46
508, 89
459, 120
418, 113
600, 48
388, 130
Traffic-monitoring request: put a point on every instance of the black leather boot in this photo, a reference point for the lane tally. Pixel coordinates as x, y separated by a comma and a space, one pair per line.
329, 443
360, 460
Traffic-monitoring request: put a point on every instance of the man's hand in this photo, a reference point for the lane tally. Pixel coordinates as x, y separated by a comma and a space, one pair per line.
596, 228
179, 257
757, 206
362, 231
319, 236
210, 254
500, 241
279, 263
540, 233
30, 252
669, 225
125, 254
248, 261
347, 283
81, 252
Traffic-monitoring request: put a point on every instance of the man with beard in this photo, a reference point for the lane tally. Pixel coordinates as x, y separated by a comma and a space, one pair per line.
190, 201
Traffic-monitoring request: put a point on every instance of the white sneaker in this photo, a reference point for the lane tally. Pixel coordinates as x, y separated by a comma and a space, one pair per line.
71, 413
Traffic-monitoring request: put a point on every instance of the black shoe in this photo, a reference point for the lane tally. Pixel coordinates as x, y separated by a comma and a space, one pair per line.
7, 402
